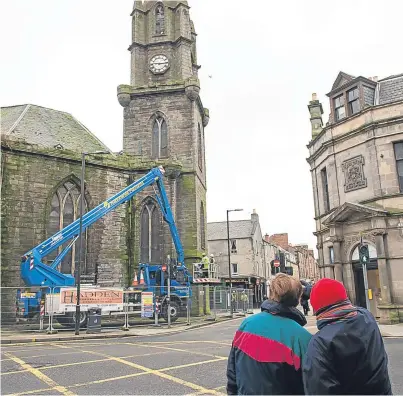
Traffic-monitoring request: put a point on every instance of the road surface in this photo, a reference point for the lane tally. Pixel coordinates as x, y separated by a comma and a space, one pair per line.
193, 362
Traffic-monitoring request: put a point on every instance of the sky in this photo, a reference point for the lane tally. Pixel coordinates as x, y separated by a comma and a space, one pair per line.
265, 59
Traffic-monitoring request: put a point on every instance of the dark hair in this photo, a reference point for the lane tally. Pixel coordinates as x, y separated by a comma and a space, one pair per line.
286, 290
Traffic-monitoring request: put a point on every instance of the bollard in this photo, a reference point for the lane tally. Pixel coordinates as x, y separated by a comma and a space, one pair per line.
41, 315
126, 326
188, 308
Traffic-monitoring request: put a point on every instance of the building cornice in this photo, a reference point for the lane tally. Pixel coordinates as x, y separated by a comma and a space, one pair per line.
346, 120
179, 40
352, 133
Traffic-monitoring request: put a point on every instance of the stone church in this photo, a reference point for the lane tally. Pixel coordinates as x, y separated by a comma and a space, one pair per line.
164, 122
356, 163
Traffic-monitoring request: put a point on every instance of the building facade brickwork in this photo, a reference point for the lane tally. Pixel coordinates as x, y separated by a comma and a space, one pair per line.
357, 178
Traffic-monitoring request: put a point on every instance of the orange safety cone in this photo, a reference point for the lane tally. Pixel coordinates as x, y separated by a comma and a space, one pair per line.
135, 281
141, 278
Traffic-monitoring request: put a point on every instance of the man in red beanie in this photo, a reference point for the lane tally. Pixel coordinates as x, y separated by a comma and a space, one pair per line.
347, 355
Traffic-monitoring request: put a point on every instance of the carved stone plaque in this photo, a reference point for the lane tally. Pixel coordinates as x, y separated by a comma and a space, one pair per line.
354, 178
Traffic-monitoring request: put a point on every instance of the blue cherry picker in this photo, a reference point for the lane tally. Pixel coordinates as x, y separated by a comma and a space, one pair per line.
42, 278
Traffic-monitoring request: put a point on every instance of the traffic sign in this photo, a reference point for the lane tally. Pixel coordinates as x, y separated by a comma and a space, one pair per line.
276, 263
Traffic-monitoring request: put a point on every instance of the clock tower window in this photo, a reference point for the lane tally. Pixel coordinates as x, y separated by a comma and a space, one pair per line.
159, 19
160, 138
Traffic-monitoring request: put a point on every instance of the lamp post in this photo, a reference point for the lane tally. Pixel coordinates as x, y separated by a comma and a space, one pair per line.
229, 260
78, 270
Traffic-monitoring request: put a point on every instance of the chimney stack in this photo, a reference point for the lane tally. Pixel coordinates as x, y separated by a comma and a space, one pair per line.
316, 111
254, 217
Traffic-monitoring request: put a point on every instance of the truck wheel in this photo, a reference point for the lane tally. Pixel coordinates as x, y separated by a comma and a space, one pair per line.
174, 311
83, 319
70, 319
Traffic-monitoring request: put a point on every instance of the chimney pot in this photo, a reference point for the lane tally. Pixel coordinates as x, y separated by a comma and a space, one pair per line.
314, 96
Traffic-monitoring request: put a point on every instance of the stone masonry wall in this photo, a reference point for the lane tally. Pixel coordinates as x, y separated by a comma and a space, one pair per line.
177, 111
29, 182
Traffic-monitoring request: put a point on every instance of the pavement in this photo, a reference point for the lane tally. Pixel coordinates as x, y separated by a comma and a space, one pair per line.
191, 362
11, 337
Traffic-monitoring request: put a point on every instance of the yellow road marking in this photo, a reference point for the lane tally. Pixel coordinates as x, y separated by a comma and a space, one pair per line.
123, 376
159, 347
82, 362
48, 381
158, 374
186, 351
32, 344
36, 356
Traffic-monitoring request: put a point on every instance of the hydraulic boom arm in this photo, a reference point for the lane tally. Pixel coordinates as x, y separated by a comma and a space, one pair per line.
35, 273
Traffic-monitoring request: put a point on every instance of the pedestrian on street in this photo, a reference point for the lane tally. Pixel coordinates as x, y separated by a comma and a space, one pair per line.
347, 355
306, 294
267, 349
245, 300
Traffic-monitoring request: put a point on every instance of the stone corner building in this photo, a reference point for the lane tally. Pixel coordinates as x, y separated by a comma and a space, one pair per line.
164, 122
356, 162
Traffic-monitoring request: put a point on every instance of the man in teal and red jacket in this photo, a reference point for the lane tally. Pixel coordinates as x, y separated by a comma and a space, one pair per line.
268, 348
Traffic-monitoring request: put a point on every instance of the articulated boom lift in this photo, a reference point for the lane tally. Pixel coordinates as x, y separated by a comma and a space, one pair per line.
36, 273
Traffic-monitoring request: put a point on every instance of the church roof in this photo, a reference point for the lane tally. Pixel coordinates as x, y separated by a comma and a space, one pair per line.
47, 128
238, 229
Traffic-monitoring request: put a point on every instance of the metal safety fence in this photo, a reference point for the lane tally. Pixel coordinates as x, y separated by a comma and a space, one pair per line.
51, 310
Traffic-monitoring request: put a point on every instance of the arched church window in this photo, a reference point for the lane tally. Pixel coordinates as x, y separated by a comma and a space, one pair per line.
64, 209
200, 146
202, 227
160, 138
151, 234
159, 19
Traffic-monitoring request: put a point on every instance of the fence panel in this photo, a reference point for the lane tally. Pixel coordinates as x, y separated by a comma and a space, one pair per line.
43, 310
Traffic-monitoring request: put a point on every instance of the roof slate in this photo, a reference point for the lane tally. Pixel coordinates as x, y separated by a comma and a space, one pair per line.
237, 229
391, 89
47, 128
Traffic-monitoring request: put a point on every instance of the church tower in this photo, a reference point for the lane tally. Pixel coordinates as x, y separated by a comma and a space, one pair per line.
164, 121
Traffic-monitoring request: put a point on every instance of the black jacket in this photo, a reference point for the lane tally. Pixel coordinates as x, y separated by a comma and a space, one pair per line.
267, 351
347, 357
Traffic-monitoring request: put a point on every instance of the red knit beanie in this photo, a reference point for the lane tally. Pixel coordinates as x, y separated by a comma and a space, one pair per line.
327, 292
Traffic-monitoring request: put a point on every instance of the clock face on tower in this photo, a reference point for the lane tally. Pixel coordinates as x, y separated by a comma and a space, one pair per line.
159, 64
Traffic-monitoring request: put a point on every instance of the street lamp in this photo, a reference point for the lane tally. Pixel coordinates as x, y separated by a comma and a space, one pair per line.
78, 271
229, 260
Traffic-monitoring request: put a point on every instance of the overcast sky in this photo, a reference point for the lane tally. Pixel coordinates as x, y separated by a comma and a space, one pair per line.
266, 59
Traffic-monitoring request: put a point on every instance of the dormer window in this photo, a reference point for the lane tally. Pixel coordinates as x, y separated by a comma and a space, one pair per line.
353, 101
339, 109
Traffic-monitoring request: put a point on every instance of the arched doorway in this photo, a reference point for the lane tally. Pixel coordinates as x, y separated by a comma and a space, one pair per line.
374, 288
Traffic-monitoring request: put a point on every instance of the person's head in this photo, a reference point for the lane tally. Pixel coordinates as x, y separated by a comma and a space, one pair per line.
211, 255
286, 290
327, 292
